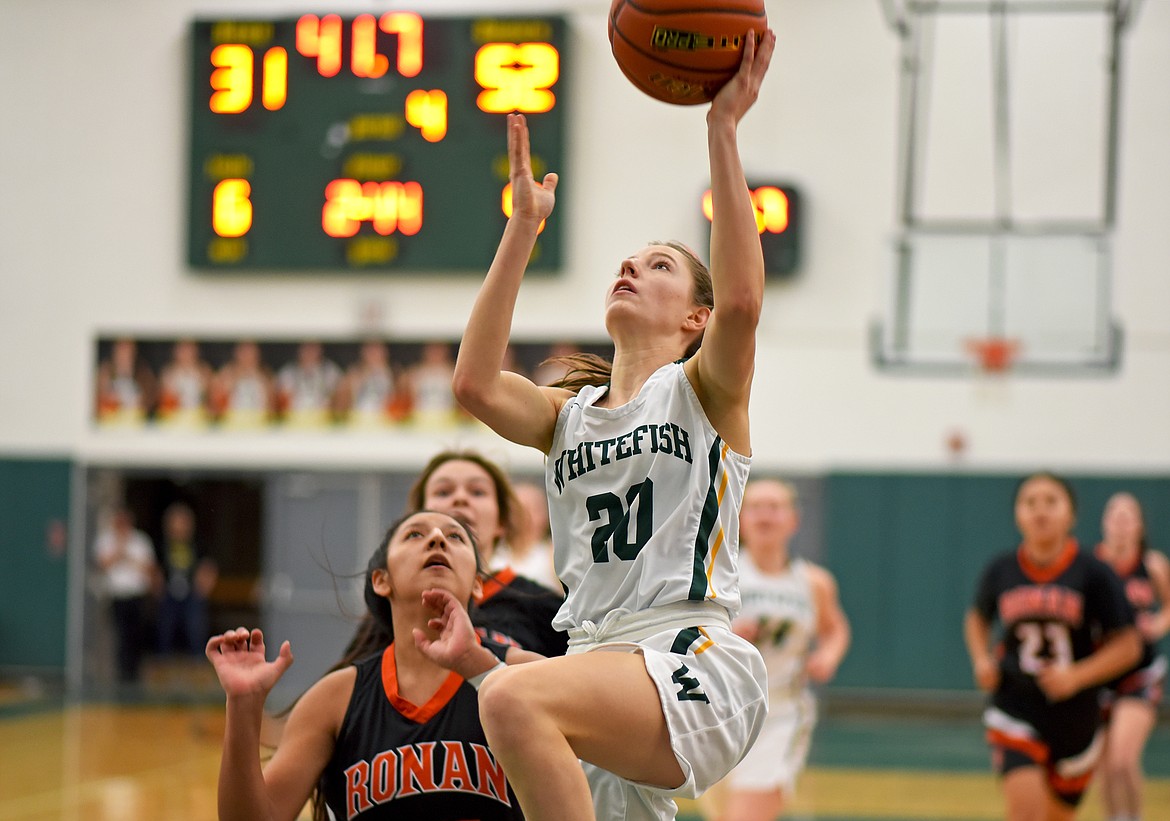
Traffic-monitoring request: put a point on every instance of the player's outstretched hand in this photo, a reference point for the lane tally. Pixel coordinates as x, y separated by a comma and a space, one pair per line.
239, 662
456, 643
530, 199
740, 92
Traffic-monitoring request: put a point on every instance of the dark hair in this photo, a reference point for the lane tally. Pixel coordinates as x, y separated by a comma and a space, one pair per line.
1065, 485
510, 508
376, 631
589, 369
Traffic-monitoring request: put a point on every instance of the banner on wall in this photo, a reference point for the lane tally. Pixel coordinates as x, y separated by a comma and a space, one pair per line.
189, 384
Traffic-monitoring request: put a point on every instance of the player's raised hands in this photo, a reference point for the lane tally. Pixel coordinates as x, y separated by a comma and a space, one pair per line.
741, 91
239, 662
530, 199
455, 646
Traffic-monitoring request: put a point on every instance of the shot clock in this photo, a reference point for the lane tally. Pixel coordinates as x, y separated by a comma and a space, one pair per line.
779, 216
370, 142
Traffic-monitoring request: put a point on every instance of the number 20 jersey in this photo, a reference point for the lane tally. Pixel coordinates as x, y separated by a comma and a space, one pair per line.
644, 502
1056, 613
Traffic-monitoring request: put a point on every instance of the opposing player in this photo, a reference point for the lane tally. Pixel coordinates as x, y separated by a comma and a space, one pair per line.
1066, 630
395, 735
1130, 703
792, 613
646, 463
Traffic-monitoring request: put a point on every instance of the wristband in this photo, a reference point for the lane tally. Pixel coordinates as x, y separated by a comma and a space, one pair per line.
476, 681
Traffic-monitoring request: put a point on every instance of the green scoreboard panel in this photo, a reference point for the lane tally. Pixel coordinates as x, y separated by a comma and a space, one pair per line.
373, 142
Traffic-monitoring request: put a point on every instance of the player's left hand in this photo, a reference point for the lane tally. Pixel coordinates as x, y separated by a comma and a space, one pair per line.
530, 199
1059, 682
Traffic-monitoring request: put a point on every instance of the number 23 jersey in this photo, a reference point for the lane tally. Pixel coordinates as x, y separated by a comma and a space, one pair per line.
643, 502
1053, 614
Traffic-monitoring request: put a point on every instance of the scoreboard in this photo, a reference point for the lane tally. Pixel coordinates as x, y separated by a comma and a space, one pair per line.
326, 143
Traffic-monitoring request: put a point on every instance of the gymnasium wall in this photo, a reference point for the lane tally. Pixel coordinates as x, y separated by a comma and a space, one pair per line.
92, 206
91, 223
33, 562
908, 548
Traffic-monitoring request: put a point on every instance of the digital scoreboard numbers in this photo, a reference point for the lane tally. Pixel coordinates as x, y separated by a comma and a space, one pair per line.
779, 219
369, 142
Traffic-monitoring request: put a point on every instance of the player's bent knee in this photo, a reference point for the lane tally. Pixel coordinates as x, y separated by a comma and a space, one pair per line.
504, 711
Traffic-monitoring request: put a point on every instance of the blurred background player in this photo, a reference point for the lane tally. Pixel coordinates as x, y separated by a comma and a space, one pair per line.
1067, 629
1130, 702
792, 613
529, 550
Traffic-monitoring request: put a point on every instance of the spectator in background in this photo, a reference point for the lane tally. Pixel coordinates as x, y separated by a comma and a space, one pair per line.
129, 570
243, 393
529, 550
306, 387
126, 387
185, 386
1130, 702
366, 393
188, 579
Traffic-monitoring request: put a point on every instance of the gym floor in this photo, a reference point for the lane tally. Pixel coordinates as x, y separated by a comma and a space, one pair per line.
158, 759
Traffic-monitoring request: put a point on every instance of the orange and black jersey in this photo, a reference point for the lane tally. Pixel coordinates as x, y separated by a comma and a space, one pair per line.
516, 610
1058, 613
414, 762
1139, 591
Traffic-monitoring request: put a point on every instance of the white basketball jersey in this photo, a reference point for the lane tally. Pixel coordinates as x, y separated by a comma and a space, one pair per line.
785, 611
644, 502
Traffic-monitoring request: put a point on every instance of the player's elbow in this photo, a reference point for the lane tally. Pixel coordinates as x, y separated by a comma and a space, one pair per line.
743, 308
471, 388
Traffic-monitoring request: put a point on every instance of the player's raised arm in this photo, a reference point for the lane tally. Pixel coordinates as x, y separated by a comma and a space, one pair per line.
726, 360
509, 404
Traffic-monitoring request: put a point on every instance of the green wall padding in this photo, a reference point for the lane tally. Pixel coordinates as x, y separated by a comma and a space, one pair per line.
907, 551
33, 577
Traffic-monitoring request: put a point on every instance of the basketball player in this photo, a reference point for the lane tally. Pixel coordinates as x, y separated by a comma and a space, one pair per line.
1131, 701
646, 463
395, 735
511, 609
1066, 630
792, 613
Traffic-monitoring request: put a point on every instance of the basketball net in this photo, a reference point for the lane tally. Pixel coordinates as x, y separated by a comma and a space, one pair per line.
993, 355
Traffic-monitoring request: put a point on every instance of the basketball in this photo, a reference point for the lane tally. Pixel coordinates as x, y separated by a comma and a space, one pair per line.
682, 51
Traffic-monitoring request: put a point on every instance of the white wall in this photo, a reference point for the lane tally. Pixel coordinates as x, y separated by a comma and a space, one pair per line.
92, 195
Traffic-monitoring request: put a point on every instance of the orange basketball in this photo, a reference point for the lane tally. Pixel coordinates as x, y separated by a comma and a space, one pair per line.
682, 51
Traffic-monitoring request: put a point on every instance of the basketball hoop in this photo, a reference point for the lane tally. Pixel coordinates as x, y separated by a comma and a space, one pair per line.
993, 354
